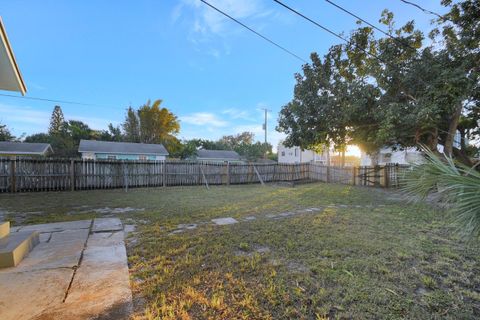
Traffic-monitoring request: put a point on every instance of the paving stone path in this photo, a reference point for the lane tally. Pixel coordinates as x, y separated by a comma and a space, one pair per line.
274, 216
78, 271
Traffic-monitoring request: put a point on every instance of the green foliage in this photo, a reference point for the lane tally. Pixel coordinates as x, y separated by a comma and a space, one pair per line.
458, 184
5, 134
57, 121
243, 143
377, 91
152, 124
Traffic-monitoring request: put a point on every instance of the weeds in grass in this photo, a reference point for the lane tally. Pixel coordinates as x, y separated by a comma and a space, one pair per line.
344, 262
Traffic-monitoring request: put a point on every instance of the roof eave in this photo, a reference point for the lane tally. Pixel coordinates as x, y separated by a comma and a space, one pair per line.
22, 88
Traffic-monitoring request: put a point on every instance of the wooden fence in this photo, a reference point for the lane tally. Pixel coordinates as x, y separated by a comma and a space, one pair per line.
26, 175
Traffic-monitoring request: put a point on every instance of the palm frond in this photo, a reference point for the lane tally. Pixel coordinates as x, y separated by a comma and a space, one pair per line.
458, 184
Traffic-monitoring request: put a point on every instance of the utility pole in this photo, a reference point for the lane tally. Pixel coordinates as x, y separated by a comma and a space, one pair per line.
265, 123
265, 127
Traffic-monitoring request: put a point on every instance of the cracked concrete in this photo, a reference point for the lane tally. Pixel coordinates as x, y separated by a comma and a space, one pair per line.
78, 271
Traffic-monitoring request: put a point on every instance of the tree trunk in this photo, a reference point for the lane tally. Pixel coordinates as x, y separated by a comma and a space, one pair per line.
374, 158
452, 130
343, 158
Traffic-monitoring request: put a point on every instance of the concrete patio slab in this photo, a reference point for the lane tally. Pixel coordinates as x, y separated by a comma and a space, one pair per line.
105, 239
74, 273
25, 295
107, 224
69, 236
58, 226
224, 221
100, 287
52, 255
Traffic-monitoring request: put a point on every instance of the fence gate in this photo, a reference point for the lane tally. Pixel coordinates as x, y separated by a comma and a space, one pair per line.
371, 176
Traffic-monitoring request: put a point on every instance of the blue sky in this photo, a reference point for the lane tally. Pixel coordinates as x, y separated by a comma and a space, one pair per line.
213, 74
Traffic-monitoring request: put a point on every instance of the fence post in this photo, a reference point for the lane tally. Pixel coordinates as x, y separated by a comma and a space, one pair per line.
72, 175
13, 180
386, 172
228, 173
164, 177
328, 173
354, 175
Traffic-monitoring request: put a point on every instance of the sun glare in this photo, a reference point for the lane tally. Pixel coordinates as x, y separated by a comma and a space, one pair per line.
353, 151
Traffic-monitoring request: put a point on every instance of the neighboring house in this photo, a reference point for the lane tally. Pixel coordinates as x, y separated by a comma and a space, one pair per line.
218, 156
24, 149
388, 155
296, 155
107, 150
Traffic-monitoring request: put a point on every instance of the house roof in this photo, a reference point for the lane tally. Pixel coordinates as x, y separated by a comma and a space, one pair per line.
217, 154
26, 148
10, 76
121, 147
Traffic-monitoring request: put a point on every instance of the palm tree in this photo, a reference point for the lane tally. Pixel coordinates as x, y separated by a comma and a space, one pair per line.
458, 184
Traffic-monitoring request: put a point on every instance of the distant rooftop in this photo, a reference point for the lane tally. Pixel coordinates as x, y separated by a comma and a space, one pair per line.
217, 154
24, 148
121, 147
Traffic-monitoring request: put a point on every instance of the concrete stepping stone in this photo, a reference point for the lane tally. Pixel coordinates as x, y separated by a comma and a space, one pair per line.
188, 226
224, 221
107, 224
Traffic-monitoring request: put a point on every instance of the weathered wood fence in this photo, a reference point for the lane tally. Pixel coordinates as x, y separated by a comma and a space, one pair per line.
26, 175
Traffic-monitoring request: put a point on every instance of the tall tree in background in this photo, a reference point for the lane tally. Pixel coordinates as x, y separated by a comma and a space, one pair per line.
5, 134
131, 126
152, 124
57, 121
389, 91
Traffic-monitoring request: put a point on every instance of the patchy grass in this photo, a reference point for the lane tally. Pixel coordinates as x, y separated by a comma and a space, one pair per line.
382, 259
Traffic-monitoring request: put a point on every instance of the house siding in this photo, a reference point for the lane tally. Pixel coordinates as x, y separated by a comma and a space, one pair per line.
388, 155
120, 156
296, 155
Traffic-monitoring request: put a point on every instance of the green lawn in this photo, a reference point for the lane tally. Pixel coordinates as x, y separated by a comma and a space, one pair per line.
362, 256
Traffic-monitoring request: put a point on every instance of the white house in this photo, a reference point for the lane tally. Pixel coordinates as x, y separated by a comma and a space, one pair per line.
296, 155
388, 155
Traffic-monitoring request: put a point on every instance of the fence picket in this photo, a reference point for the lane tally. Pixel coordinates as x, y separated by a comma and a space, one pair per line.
27, 175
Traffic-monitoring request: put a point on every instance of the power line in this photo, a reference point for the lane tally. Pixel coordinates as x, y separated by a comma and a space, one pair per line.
50, 100
327, 30
424, 10
255, 32
380, 30
370, 24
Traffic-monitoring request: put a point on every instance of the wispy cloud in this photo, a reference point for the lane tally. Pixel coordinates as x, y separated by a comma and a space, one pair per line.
204, 119
31, 120
235, 113
207, 25
206, 20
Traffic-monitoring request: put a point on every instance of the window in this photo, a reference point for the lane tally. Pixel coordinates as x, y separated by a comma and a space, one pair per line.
142, 157
112, 157
283, 153
386, 157
296, 152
